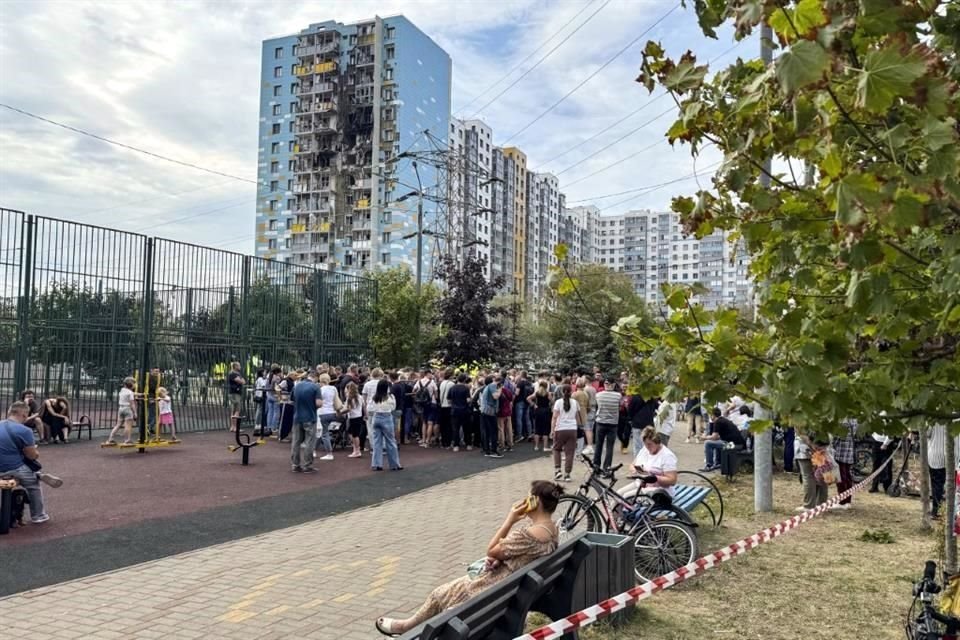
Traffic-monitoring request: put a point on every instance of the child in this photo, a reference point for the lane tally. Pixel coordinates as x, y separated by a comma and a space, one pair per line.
127, 412
166, 413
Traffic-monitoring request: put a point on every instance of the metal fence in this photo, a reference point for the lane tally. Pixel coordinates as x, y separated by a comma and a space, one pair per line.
82, 307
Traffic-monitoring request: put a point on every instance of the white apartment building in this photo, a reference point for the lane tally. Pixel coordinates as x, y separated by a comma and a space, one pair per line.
545, 204
472, 216
579, 228
655, 250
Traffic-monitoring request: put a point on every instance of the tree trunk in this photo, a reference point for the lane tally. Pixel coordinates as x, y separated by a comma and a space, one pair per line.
925, 523
950, 538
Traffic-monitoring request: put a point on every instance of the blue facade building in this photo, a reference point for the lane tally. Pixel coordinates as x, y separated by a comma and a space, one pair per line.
344, 110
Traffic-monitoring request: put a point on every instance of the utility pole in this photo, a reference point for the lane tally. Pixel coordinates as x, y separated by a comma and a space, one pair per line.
763, 442
416, 336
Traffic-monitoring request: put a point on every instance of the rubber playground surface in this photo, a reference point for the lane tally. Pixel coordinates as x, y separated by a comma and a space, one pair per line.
118, 507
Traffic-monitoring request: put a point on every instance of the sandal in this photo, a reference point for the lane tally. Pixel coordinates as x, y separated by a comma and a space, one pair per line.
385, 626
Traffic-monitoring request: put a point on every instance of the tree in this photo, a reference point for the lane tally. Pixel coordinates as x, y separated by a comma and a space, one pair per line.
857, 267
582, 305
472, 329
393, 332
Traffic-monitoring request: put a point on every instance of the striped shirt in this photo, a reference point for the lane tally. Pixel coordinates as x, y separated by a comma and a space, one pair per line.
608, 407
937, 446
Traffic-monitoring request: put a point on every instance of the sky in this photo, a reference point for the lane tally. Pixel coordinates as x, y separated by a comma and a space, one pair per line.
181, 79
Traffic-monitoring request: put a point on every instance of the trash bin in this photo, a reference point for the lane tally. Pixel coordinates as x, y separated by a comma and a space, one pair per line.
606, 572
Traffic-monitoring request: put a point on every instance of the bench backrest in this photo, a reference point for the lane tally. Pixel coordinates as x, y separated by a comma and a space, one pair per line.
499, 612
687, 496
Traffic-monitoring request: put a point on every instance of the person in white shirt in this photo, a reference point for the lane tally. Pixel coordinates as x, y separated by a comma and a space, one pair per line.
380, 411
883, 448
368, 391
327, 414
446, 425
353, 408
664, 420
566, 418
127, 413
656, 465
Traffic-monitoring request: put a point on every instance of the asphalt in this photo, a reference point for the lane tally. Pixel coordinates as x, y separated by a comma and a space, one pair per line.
30, 565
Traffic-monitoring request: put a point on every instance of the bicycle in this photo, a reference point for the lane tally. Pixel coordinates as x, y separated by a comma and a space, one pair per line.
662, 543
929, 624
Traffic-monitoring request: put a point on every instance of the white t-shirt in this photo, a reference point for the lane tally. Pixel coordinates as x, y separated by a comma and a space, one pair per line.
125, 398
164, 405
369, 390
357, 411
327, 393
566, 419
662, 461
666, 414
445, 387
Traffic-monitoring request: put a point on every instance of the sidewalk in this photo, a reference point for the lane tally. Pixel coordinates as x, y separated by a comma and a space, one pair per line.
327, 579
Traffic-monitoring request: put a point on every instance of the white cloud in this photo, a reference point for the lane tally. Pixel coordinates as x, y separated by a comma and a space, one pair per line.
181, 79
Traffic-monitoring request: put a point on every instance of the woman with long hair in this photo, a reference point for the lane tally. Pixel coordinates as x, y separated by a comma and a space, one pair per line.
508, 550
566, 419
353, 410
380, 410
540, 401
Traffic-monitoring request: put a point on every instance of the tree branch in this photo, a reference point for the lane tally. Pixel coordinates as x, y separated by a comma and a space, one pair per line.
894, 245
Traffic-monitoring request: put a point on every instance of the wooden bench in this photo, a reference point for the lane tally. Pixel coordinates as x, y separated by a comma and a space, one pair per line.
581, 572
6, 503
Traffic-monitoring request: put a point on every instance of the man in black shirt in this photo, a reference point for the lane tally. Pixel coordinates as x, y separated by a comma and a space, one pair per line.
722, 433
459, 397
235, 384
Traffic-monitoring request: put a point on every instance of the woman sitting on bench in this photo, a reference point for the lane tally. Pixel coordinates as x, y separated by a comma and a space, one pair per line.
507, 551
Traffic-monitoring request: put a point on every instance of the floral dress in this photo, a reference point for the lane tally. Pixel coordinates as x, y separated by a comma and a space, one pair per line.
519, 548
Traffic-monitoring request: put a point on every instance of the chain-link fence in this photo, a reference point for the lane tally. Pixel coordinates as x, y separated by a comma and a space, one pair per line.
83, 307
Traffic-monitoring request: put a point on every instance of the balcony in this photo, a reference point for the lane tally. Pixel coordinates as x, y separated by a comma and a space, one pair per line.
317, 87
368, 39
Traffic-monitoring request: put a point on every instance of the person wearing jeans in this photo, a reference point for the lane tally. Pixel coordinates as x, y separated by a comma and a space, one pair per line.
330, 406
566, 419
722, 433
17, 446
306, 400
380, 410
489, 407
606, 421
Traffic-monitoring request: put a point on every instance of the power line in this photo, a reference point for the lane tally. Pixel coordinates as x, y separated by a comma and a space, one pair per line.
632, 113
545, 56
88, 212
613, 164
656, 187
530, 55
649, 186
126, 146
588, 78
621, 138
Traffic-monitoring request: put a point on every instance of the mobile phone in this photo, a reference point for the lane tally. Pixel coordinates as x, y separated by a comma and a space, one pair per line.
532, 503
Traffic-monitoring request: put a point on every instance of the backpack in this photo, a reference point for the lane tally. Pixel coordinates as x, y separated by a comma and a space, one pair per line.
421, 396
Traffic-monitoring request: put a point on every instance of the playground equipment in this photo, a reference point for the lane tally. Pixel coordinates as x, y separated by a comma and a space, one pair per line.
149, 408
244, 442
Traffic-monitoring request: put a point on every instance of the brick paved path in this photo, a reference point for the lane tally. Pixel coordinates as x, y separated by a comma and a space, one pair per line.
328, 579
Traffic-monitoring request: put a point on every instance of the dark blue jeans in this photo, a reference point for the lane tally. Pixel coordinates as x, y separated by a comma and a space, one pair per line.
489, 433
521, 417
788, 437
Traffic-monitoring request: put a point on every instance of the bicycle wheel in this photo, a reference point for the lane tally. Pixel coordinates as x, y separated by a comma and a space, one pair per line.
577, 515
661, 547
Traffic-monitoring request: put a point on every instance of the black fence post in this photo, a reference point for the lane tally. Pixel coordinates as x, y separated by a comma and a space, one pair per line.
24, 300
187, 326
317, 316
147, 328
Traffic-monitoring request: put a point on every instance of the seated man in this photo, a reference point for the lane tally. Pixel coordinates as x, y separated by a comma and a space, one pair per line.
657, 466
18, 459
33, 419
722, 433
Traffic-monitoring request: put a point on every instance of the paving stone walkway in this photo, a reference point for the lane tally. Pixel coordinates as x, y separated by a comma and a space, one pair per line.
327, 579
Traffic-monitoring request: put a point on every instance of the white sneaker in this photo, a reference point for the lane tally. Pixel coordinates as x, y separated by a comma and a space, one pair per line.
40, 519
587, 450
456, 449
329, 456
845, 507
355, 455
800, 509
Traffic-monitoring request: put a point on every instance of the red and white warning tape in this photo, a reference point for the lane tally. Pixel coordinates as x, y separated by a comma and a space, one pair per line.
641, 592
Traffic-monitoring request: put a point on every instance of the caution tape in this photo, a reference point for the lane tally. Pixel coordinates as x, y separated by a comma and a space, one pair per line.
629, 598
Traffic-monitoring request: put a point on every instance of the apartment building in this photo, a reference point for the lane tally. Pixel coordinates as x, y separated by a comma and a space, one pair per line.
579, 231
519, 159
652, 249
544, 213
471, 172
340, 104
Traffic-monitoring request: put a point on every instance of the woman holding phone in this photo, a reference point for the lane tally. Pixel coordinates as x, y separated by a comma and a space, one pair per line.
508, 550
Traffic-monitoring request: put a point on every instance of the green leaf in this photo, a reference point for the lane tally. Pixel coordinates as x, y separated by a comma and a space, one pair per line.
938, 133
686, 76
832, 164
801, 22
854, 191
887, 75
803, 64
